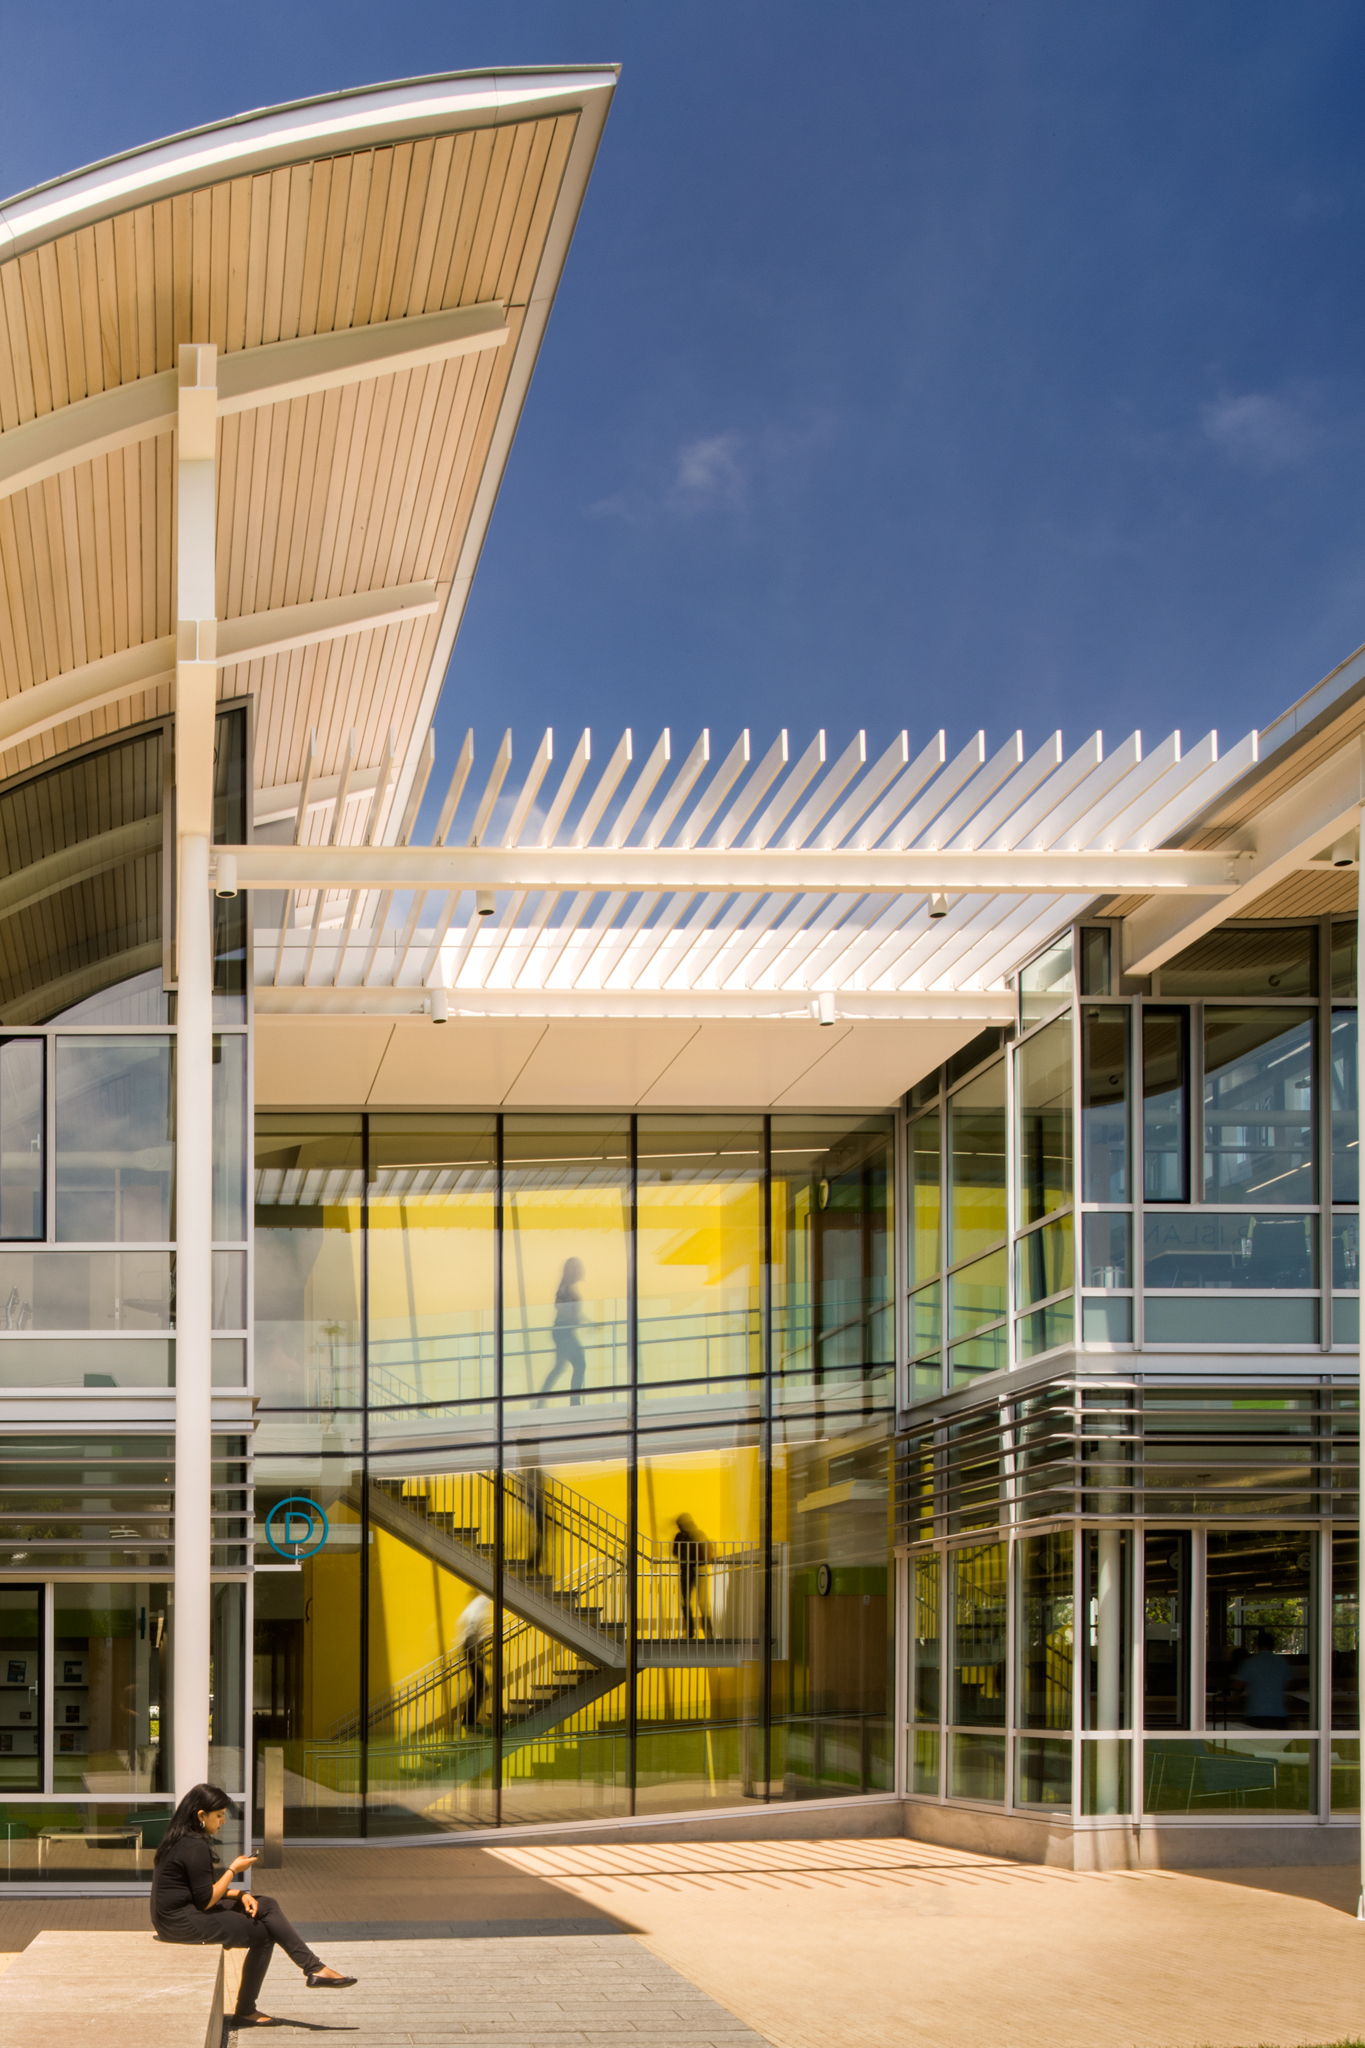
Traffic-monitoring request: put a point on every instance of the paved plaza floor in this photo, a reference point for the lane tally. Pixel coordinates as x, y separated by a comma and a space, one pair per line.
798, 1944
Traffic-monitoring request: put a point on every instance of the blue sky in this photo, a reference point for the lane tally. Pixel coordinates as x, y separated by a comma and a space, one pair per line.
914, 364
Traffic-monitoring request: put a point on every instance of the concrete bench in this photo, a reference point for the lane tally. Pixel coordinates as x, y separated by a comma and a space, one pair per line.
112, 1991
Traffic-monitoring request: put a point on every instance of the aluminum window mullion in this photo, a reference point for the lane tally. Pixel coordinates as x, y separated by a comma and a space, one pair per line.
47, 1688
1198, 1605
1011, 1210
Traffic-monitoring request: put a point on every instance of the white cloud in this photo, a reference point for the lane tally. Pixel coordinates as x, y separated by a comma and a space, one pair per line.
709, 472
1258, 430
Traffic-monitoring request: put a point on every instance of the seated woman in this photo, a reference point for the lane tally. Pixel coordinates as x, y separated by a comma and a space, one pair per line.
191, 1903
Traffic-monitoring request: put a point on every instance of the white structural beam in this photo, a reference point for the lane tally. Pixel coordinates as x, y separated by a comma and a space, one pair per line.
915, 871
329, 618
1289, 834
992, 1006
247, 379
225, 643
196, 699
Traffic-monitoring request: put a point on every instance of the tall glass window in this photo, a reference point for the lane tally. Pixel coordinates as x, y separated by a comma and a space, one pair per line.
432, 1196
1258, 1105
834, 1320
115, 1139
700, 1252
1165, 1105
309, 1350
1260, 1657
566, 1195
1104, 1109
1345, 1108
21, 1137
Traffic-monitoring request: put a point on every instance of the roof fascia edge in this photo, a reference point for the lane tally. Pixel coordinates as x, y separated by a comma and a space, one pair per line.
293, 133
563, 222
1344, 686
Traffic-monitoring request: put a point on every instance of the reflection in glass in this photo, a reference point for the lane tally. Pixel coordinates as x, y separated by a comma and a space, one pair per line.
924, 1761
306, 1649
926, 1314
1047, 1328
978, 1293
1044, 1261
21, 1137
1345, 1108
1216, 1776
1105, 1608
1097, 960
1046, 1638
1165, 1105
1346, 1248
1258, 1105
229, 1290
565, 1588
700, 1251
1345, 1678
986, 1352
926, 1201
1201, 1249
978, 1582
115, 1144
1345, 1793
111, 1656
433, 1189
976, 1767
1043, 1096
977, 1165
699, 1642
92, 917
21, 1689
927, 1684
308, 1200
1045, 984
1042, 1772
1106, 1250
565, 1202
1166, 1607
832, 1670
1344, 938
48, 1290
1106, 1771
1104, 1103
831, 1236
229, 1137
86, 1362
1259, 1656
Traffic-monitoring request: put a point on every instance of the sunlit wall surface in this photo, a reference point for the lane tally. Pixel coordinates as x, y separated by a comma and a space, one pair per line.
599, 1412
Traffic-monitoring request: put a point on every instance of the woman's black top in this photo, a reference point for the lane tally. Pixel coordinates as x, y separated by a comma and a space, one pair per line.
182, 1884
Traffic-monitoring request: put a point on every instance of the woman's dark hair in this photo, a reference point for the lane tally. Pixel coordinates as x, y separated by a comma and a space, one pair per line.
185, 1820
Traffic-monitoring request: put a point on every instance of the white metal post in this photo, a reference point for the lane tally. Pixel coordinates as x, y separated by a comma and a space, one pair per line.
196, 694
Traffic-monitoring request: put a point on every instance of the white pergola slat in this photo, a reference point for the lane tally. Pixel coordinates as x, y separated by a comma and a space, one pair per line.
785, 877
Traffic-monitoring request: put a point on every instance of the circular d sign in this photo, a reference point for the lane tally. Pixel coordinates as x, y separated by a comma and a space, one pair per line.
296, 1527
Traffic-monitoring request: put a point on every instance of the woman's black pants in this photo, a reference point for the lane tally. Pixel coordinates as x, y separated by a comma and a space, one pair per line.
234, 1928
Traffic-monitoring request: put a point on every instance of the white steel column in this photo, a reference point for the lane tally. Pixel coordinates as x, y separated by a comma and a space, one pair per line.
196, 692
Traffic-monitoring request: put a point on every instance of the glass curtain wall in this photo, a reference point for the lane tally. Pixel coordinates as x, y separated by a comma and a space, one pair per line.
1213, 1201
604, 1405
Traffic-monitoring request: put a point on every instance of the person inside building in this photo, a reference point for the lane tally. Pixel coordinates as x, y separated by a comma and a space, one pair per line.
570, 1356
1264, 1678
693, 1554
191, 1902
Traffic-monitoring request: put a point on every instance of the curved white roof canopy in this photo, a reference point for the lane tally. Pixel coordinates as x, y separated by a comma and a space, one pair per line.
375, 269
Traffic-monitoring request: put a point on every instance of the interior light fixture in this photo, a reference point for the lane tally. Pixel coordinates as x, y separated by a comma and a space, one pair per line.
440, 1006
485, 902
938, 904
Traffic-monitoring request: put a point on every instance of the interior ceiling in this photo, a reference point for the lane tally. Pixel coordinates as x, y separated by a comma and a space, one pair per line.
355, 489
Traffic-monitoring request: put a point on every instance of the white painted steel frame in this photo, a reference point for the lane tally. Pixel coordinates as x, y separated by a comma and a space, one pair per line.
785, 877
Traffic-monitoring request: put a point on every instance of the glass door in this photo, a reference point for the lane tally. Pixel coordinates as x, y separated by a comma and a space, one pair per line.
21, 1638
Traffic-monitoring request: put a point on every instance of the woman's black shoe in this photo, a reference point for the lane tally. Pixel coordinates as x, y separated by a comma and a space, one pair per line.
316, 1983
